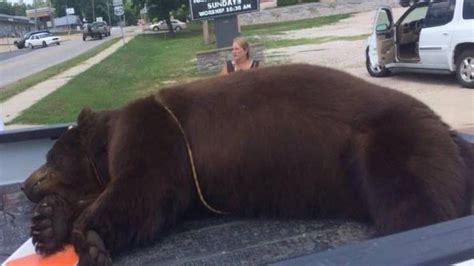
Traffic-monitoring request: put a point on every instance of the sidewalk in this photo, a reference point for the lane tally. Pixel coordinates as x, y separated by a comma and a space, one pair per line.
13, 107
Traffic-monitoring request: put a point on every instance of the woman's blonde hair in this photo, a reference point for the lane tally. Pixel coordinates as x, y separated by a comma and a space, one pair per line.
244, 44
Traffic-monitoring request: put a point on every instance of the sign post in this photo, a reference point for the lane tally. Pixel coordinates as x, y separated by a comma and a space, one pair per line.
69, 11
119, 11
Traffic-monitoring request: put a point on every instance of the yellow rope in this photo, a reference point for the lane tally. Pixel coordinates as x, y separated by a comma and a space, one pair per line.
193, 168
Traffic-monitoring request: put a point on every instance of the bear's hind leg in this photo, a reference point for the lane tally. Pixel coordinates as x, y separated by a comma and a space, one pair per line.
411, 173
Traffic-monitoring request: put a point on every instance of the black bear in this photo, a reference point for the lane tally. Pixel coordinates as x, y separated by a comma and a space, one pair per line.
288, 141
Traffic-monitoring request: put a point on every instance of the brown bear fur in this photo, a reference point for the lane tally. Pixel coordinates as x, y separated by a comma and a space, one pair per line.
288, 141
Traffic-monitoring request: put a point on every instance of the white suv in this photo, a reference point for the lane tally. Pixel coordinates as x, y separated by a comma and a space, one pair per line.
430, 37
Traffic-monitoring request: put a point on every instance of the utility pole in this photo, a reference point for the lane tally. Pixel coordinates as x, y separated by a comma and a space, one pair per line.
93, 11
124, 21
108, 12
36, 15
67, 21
51, 14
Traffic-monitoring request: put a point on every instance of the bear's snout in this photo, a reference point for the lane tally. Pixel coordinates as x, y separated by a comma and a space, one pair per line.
33, 187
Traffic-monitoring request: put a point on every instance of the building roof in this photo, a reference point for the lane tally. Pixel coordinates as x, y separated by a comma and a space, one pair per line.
15, 19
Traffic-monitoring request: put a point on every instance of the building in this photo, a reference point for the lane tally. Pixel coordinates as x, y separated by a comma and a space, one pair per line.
66, 23
15, 26
41, 16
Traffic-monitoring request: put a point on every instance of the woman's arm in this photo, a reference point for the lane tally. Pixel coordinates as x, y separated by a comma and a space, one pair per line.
223, 70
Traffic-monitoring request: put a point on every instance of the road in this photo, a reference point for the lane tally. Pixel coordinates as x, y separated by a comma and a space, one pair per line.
32, 61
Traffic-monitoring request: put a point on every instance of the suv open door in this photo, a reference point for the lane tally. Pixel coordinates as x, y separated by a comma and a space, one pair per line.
381, 50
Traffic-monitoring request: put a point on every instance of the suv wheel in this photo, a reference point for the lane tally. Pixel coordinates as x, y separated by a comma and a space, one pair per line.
156, 28
375, 71
84, 37
30, 46
465, 68
178, 28
44, 44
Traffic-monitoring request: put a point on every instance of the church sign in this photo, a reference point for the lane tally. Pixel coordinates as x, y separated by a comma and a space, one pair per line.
207, 9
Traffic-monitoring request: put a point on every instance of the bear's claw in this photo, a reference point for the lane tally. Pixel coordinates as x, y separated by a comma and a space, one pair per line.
93, 251
50, 229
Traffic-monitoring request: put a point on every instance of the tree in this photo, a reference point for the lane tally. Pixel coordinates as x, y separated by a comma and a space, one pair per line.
6, 8
20, 9
13, 9
132, 13
161, 9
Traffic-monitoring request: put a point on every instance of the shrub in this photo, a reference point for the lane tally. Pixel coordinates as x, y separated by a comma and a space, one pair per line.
182, 13
293, 2
286, 2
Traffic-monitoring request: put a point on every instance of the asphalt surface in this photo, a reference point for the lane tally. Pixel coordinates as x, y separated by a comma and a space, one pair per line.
10, 54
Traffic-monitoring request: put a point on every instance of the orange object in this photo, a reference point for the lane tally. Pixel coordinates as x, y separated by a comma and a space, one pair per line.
67, 257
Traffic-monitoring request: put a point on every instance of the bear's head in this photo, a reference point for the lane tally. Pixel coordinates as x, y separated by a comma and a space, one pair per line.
76, 165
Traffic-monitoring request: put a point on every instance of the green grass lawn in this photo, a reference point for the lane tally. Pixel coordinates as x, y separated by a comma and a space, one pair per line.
144, 65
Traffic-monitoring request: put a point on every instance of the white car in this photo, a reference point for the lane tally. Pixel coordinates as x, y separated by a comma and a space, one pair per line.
430, 37
42, 39
161, 25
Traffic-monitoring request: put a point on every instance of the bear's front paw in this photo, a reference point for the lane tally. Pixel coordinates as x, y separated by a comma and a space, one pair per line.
50, 228
91, 249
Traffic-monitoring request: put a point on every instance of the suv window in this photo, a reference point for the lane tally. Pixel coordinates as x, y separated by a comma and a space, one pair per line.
440, 13
415, 14
383, 21
468, 9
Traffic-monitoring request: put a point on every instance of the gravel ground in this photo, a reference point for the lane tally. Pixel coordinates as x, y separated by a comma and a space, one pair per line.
360, 23
441, 92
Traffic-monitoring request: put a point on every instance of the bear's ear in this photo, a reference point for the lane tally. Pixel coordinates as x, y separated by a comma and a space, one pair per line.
85, 116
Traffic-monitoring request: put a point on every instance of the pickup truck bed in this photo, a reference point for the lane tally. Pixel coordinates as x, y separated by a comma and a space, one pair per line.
207, 240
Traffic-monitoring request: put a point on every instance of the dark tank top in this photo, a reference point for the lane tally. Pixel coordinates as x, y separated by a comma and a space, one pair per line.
230, 66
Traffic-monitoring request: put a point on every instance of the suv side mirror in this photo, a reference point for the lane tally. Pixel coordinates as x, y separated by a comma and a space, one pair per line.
381, 27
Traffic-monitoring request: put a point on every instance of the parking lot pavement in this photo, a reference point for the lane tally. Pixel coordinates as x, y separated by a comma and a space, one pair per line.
442, 93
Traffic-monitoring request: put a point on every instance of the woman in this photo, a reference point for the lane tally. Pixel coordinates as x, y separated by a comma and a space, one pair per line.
240, 57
